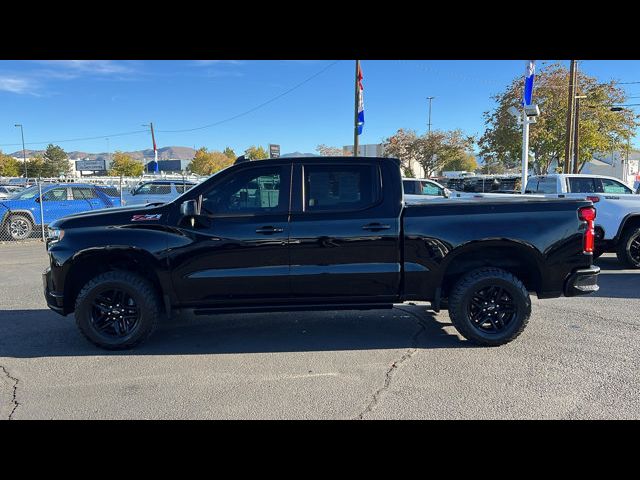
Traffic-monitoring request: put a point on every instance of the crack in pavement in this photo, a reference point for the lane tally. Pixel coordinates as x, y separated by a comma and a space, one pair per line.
397, 363
15, 388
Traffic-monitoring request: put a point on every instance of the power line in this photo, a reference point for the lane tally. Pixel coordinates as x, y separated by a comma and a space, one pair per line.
256, 107
99, 137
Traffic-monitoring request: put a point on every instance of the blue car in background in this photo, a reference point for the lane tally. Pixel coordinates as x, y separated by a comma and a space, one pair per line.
20, 214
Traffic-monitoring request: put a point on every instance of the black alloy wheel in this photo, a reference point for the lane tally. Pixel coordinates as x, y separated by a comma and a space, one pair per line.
491, 309
114, 313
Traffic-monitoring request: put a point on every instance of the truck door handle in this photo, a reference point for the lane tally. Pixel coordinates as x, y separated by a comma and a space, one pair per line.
269, 229
376, 226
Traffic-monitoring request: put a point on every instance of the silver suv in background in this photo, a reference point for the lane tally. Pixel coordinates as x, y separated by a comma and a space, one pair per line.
155, 191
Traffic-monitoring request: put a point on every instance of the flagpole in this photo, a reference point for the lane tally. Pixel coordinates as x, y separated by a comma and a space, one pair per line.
355, 113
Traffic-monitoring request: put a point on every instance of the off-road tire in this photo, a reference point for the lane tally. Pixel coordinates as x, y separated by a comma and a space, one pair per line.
623, 252
145, 296
465, 288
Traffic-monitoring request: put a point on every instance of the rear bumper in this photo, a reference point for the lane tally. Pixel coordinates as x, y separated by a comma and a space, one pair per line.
582, 282
55, 300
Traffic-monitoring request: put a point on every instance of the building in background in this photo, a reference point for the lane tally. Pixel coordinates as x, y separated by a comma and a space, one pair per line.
615, 165
377, 150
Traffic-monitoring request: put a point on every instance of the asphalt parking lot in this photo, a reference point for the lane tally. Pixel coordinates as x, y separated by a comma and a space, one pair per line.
579, 358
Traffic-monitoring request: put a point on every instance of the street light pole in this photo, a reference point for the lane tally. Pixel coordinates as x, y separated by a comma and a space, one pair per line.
24, 153
429, 124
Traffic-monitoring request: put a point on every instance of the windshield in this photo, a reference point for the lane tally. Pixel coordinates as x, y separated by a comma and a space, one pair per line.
26, 194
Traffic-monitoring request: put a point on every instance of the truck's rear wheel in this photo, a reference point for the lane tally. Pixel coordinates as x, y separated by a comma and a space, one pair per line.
489, 306
117, 310
628, 251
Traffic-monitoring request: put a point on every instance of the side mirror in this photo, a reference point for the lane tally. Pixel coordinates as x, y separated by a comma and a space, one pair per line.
37, 199
446, 193
189, 208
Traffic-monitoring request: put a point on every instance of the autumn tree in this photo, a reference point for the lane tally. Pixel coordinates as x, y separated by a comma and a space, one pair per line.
207, 163
36, 166
256, 153
600, 128
230, 153
9, 166
465, 162
399, 146
125, 165
432, 151
327, 151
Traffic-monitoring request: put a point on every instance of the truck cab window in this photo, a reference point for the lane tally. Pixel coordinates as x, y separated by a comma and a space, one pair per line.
339, 188
254, 191
581, 185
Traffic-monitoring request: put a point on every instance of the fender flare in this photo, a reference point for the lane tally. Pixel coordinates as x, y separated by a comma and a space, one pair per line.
28, 213
623, 223
525, 250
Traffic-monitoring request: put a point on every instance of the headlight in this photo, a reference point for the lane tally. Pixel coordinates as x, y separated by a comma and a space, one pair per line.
55, 234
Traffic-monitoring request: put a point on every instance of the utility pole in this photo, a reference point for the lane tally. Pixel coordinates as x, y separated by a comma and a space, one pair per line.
576, 136
24, 153
355, 115
570, 119
429, 124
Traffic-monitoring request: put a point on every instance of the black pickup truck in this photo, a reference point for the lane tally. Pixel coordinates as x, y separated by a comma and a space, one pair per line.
316, 233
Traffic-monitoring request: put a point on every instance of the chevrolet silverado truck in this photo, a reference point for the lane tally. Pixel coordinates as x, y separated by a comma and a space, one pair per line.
316, 234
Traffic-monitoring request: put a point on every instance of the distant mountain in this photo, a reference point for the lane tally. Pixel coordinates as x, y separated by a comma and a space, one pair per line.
165, 153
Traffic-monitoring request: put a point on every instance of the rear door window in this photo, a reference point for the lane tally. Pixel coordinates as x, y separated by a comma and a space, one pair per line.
83, 193
335, 187
581, 185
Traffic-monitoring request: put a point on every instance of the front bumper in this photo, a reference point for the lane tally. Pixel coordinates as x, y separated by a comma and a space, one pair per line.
582, 282
55, 300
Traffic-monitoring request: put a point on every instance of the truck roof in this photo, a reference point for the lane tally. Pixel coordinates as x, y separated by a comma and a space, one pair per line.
575, 175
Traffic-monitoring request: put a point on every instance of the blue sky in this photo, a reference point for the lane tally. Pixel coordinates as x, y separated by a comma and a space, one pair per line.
60, 100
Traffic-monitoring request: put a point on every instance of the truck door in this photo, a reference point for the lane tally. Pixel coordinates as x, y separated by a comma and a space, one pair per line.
237, 251
345, 239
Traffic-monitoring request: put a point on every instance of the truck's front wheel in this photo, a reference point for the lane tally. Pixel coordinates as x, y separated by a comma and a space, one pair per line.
489, 306
628, 251
117, 310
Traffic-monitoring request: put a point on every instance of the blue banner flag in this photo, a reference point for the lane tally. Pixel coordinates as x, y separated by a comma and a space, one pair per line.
360, 102
529, 74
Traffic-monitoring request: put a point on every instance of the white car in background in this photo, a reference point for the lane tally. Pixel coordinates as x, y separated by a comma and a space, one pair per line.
422, 189
617, 225
7, 191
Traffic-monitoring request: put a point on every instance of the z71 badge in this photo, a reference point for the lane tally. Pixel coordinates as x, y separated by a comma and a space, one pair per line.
142, 218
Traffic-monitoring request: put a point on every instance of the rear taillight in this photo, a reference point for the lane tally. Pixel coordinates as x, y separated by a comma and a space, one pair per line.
588, 214
593, 198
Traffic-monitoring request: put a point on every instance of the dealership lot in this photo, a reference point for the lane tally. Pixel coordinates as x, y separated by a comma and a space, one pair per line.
578, 358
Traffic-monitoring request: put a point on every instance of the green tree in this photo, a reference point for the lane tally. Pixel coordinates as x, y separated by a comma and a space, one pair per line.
207, 163
600, 129
56, 162
230, 153
256, 153
466, 162
125, 165
9, 166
